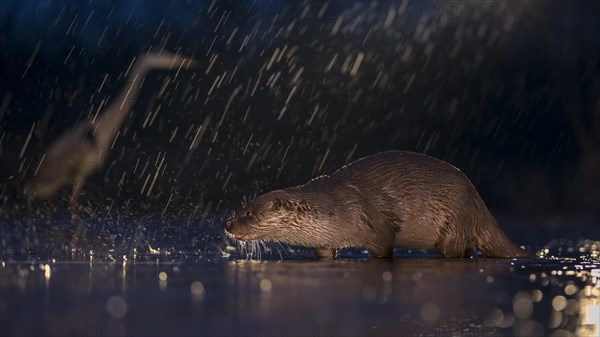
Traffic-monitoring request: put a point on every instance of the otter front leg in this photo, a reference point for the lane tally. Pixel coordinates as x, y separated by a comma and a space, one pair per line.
325, 253
382, 245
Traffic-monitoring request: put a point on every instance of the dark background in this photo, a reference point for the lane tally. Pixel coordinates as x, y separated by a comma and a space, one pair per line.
508, 91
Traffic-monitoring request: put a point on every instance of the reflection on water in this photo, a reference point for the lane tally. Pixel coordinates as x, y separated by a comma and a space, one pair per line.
588, 306
550, 296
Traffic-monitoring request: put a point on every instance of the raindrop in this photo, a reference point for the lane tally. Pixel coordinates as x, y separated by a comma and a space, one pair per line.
369, 293
116, 307
430, 313
559, 303
265, 285
197, 289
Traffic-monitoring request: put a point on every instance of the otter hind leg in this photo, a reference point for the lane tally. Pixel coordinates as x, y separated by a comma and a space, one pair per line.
453, 248
470, 251
325, 253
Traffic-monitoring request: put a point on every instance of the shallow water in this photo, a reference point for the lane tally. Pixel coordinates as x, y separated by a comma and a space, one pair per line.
406, 296
143, 278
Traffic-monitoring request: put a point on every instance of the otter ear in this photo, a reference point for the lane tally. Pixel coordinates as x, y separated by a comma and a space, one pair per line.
277, 204
303, 206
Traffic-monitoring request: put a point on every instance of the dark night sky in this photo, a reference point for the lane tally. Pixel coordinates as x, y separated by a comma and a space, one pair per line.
486, 87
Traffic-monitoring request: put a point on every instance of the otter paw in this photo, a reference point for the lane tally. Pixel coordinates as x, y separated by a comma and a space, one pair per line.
325, 253
380, 253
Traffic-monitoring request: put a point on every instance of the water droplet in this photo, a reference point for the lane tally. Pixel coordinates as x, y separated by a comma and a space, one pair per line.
116, 307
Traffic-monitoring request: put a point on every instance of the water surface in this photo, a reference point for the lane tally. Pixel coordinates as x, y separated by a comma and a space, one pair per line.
359, 296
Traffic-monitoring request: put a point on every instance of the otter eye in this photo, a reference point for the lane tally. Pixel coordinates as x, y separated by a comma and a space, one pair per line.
248, 213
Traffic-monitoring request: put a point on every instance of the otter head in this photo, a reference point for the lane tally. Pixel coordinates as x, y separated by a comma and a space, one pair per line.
274, 216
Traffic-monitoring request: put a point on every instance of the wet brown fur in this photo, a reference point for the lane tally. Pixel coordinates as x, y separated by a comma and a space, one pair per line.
400, 198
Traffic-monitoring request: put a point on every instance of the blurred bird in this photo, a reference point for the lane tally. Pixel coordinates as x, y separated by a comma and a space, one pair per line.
81, 151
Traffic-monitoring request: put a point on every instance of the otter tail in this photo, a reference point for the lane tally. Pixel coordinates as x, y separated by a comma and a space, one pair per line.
492, 241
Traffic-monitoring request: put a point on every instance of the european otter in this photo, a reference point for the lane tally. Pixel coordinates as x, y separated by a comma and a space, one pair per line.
391, 198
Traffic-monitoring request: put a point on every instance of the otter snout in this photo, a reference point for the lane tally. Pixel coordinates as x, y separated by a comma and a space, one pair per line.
240, 228
231, 226
228, 224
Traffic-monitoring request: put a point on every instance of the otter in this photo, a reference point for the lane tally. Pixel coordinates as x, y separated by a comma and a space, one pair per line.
394, 198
